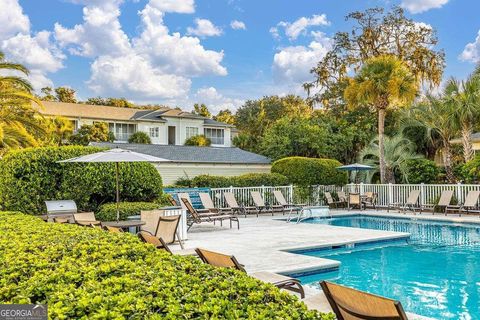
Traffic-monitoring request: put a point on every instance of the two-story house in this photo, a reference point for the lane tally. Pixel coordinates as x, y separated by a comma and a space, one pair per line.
165, 126
168, 129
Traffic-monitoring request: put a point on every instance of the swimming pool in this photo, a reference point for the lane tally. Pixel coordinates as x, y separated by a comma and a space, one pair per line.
436, 273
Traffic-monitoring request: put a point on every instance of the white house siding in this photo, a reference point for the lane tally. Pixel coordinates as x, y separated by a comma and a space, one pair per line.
162, 131
172, 171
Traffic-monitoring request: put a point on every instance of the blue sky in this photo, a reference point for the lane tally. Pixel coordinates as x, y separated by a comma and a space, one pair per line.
220, 52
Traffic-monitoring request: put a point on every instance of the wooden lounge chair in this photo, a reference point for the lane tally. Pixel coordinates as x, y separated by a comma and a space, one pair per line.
443, 202
286, 206
159, 243
150, 217
351, 304
113, 229
61, 220
370, 200
470, 205
197, 218
207, 202
172, 200
354, 201
331, 203
259, 202
86, 219
342, 197
234, 207
167, 229
410, 204
225, 261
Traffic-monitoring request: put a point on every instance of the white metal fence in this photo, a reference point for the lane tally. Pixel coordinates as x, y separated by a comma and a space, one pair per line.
390, 193
242, 194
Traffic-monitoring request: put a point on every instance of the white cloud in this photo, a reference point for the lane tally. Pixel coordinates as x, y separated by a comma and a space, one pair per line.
215, 101
175, 53
12, 19
36, 52
100, 33
204, 28
299, 26
292, 64
178, 6
418, 6
134, 76
238, 25
471, 52
153, 66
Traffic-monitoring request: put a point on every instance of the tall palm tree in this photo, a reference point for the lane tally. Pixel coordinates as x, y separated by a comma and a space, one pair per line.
465, 99
435, 114
18, 118
398, 150
383, 83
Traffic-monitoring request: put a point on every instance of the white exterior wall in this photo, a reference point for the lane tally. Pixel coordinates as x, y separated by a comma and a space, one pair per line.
171, 172
180, 124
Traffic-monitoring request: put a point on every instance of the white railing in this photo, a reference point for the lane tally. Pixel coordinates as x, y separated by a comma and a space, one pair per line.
398, 193
242, 194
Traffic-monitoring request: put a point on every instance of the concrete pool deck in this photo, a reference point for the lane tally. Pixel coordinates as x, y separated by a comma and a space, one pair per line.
261, 243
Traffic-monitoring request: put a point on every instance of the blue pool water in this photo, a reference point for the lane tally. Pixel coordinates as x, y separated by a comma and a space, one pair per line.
435, 274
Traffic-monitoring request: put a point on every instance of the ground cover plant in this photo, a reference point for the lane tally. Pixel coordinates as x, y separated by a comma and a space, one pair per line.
87, 273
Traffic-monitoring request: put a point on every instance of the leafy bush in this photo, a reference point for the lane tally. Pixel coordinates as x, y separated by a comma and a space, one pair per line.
140, 137
198, 140
108, 211
421, 171
28, 177
470, 171
310, 171
87, 273
97, 132
245, 180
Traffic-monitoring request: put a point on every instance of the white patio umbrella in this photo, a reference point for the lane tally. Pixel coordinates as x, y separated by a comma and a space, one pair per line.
116, 155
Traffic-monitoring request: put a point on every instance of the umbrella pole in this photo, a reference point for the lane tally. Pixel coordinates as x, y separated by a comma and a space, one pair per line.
118, 189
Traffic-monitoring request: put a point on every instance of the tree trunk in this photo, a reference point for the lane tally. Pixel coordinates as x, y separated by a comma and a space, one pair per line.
381, 143
447, 161
467, 143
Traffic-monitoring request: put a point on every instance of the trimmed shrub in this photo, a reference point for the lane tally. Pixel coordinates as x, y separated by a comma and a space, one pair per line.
245, 180
310, 171
470, 171
30, 176
140, 137
108, 211
198, 140
87, 273
421, 171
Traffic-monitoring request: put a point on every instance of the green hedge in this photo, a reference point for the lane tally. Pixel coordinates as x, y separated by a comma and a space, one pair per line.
108, 211
421, 171
87, 273
470, 171
246, 180
28, 177
310, 171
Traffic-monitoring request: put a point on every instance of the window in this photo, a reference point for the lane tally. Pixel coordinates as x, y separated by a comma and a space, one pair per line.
191, 131
122, 131
215, 135
154, 132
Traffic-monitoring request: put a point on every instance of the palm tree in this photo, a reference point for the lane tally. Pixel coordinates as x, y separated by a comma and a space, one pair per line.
383, 83
435, 114
18, 118
465, 99
398, 150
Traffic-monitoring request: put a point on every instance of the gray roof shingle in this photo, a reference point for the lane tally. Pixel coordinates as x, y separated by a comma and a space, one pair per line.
192, 154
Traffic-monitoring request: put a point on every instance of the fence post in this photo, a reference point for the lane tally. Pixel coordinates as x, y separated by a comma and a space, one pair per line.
362, 188
390, 193
290, 194
422, 194
459, 192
